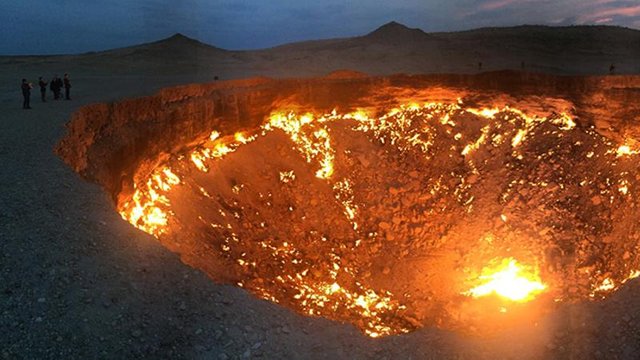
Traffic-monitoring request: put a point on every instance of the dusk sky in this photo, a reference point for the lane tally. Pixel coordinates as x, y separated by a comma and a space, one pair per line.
74, 26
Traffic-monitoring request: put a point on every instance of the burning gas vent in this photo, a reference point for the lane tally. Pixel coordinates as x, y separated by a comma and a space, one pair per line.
398, 213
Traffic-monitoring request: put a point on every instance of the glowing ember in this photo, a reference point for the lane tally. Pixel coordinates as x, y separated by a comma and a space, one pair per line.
510, 280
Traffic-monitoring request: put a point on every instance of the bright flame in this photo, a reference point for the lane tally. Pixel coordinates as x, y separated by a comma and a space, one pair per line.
145, 210
314, 143
606, 285
518, 138
485, 113
509, 280
626, 150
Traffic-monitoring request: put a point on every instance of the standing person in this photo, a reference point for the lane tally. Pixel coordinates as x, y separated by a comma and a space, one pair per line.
43, 88
59, 87
53, 85
26, 94
67, 86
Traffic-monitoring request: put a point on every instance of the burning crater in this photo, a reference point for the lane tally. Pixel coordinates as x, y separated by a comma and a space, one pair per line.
389, 203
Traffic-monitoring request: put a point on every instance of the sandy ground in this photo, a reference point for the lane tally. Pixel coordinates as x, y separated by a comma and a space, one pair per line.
78, 282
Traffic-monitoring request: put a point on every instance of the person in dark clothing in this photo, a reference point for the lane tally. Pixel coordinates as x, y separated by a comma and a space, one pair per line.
26, 94
43, 88
59, 87
67, 87
54, 87
612, 68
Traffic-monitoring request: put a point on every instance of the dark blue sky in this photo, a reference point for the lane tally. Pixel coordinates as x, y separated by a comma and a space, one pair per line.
73, 26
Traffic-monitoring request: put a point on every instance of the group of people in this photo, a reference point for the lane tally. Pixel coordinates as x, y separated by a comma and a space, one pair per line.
55, 85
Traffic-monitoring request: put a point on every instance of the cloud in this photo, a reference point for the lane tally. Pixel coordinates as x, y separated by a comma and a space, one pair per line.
628, 11
604, 20
496, 4
551, 12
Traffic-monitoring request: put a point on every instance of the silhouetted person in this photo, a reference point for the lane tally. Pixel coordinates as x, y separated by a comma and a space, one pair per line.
43, 88
26, 94
67, 87
479, 65
216, 78
54, 85
612, 69
59, 84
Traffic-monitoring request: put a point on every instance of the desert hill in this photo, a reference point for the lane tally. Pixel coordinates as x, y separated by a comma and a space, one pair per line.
391, 48
396, 48
176, 45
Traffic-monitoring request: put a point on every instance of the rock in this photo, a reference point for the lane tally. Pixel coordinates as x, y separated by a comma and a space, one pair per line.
363, 160
393, 191
223, 356
544, 231
386, 270
136, 333
596, 200
384, 225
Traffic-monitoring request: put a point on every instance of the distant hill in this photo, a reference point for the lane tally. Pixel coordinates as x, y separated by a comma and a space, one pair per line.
177, 45
391, 48
394, 47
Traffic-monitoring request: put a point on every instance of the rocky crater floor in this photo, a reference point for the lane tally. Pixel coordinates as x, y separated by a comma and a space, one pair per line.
381, 201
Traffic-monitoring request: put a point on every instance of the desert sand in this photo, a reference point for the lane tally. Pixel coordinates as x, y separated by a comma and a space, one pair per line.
80, 282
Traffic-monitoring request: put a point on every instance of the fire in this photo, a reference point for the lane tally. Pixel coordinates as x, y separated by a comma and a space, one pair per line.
312, 140
518, 138
147, 208
626, 150
509, 280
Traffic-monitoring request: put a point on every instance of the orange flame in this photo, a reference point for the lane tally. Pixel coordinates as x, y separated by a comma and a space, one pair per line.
509, 280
